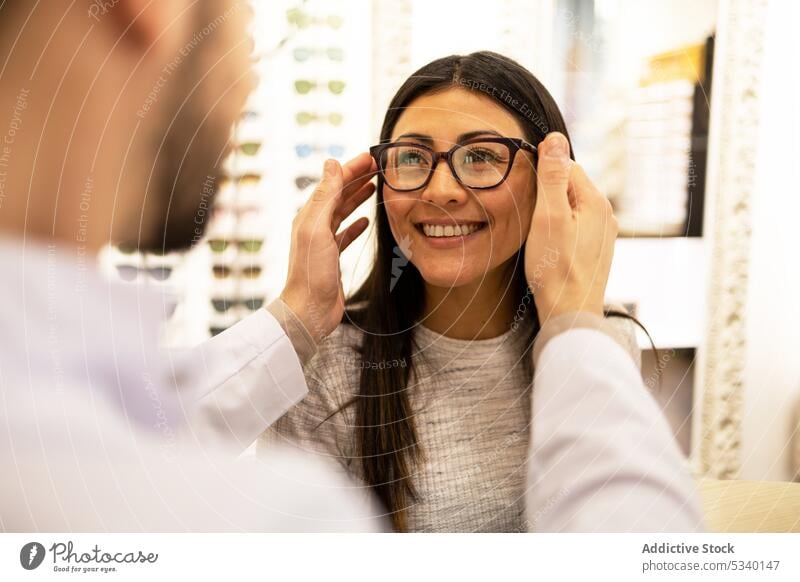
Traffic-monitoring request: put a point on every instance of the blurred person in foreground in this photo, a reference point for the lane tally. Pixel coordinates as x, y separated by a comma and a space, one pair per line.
114, 118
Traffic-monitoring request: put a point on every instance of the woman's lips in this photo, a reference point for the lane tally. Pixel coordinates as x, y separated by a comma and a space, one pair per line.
448, 242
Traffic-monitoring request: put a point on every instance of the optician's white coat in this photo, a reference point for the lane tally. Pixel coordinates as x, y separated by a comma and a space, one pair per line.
94, 418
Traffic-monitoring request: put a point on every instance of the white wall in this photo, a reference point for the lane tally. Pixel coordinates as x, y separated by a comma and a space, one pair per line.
772, 369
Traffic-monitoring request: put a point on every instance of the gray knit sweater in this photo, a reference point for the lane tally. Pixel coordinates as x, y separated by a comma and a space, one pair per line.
471, 403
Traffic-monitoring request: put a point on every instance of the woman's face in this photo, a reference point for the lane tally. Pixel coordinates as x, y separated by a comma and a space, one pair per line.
502, 214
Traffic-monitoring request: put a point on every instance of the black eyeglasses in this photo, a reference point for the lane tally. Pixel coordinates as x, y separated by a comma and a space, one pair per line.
479, 164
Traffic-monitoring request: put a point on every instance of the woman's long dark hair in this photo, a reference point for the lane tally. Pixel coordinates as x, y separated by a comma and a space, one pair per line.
386, 438
385, 435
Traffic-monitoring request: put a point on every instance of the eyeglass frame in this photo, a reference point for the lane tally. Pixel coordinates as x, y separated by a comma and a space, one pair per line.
514, 145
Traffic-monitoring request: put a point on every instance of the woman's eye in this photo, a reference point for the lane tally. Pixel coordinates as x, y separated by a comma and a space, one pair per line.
478, 156
410, 158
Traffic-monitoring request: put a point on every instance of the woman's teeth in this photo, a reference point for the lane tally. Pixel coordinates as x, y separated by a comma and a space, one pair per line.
437, 230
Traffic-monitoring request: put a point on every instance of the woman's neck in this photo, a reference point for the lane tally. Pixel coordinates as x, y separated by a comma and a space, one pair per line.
479, 310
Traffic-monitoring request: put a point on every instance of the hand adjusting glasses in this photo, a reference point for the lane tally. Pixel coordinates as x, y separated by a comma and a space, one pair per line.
478, 164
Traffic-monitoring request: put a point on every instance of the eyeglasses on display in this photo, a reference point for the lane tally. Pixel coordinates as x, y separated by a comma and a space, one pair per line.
219, 245
249, 148
306, 117
223, 305
132, 272
304, 86
302, 19
247, 272
304, 150
303, 182
302, 54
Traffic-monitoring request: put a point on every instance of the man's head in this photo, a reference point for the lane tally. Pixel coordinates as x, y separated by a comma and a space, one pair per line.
136, 98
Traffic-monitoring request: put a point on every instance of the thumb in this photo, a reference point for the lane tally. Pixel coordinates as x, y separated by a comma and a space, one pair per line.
327, 194
552, 175
330, 187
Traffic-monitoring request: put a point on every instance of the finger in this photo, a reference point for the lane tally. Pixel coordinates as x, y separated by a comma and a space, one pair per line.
319, 209
581, 189
349, 204
356, 185
552, 176
338, 180
351, 233
337, 183
358, 172
330, 187
591, 205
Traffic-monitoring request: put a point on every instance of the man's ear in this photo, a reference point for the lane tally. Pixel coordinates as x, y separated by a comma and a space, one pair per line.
148, 25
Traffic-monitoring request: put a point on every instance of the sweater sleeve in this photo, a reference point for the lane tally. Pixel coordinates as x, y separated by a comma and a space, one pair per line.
602, 457
322, 422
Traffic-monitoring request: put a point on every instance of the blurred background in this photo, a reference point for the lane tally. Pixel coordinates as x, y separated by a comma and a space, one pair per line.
681, 112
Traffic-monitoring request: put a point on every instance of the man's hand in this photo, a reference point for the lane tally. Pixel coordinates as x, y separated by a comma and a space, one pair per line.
571, 243
313, 289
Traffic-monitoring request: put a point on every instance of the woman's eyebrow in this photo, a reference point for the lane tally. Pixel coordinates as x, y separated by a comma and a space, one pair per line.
467, 136
418, 136
461, 138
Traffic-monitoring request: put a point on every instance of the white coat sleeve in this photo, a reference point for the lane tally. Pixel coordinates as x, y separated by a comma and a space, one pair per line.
237, 384
602, 457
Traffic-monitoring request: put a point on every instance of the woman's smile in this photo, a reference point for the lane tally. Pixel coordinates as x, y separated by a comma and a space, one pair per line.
449, 234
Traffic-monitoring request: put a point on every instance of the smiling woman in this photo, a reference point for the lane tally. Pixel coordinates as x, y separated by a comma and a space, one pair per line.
442, 441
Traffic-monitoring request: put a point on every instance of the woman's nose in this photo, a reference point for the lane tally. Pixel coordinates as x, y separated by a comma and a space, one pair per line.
444, 189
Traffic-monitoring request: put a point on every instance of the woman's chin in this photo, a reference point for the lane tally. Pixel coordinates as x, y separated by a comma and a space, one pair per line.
456, 276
